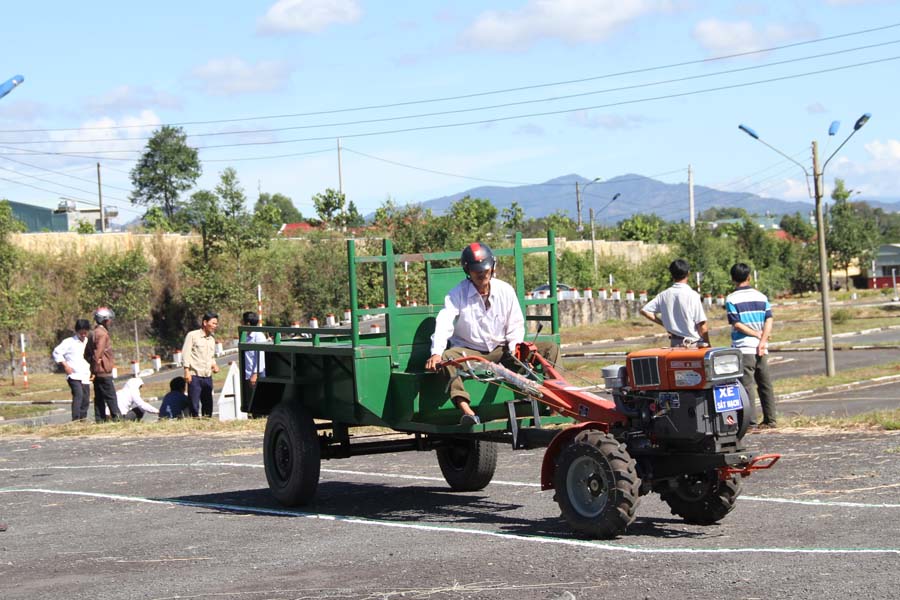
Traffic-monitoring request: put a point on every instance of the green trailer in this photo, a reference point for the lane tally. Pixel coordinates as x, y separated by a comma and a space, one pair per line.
338, 392
322, 385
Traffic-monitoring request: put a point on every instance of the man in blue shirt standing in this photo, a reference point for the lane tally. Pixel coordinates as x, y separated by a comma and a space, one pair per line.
750, 316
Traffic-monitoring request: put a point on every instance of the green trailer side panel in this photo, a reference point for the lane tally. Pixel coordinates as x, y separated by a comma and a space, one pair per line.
441, 280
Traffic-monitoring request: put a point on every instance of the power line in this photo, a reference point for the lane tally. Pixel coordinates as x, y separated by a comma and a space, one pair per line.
476, 94
493, 119
63, 185
481, 108
105, 185
473, 178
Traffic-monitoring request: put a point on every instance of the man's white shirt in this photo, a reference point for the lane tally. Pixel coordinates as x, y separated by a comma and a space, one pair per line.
464, 321
680, 309
71, 350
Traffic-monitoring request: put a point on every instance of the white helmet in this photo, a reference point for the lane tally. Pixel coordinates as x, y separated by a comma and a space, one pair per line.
103, 314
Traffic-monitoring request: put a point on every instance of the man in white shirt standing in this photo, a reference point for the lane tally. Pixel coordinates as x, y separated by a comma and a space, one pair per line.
680, 309
254, 360
481, 316
70, 356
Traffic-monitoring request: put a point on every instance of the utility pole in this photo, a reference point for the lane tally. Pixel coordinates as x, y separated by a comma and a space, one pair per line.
578, 205
100, 199
691, 196
593, 249
823, 264
340, 177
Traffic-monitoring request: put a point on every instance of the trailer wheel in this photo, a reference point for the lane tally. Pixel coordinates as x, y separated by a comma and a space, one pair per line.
468, 465
701, 498
291, 454
597, 486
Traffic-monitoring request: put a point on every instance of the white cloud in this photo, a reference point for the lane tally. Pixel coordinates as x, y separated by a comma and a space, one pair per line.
307, 16
23, 111
127, 98
816, 108
731, 37
568, 20
876, 175
230, 76
586, 119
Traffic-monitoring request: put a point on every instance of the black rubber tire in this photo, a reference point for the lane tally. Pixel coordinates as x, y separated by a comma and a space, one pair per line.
468, 465
597, 485
701, 498
291, 454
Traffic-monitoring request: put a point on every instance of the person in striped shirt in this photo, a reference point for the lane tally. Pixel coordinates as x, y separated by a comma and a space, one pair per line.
750, 317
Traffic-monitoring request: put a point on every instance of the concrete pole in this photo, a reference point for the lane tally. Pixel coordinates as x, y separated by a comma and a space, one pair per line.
578, 205
100, 200
593, 248
825, 280
691, 196
340, 176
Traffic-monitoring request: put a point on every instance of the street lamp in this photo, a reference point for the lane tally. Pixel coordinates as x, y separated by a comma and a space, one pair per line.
818, 185
10, 84
593, 250
578, 193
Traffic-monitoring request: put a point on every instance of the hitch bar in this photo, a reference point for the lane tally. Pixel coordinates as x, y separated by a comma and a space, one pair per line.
757, 463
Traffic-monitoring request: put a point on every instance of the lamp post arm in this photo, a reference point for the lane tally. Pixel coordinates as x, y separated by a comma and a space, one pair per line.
805, 172
838, 149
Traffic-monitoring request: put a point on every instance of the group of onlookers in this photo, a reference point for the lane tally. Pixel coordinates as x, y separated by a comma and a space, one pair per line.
87, 356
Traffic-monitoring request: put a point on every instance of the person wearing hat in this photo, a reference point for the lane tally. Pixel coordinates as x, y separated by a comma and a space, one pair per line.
98, 352
481, 316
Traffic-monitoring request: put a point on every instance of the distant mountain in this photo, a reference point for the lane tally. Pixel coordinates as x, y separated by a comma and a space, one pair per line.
637, 194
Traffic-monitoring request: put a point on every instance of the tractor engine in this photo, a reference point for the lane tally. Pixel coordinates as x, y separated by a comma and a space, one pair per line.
681, 399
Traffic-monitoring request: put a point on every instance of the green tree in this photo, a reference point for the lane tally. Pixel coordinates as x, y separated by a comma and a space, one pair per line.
155, 220
798, 227
351, 217
513, 217
20, 298
167, 167
121, 282
203, 214
329, 205
472, 217
850, 237
643, 228
717, 213
85, 227
287, 212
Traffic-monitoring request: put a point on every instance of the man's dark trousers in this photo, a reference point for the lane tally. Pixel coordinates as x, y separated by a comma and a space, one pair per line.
105, 397
200, 391
756, 377
81, 399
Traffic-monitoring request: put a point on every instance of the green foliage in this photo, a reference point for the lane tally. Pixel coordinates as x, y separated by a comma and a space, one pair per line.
287, 212
118, 281
351, 217
718, 213
20, 297
471, 219
329, 205
513, 217
203, 214
411, 228
643, 228
798, 227
558, 221
207, 285
168, 167
155, 220
84, 227
841, 316
850, 237
320, 278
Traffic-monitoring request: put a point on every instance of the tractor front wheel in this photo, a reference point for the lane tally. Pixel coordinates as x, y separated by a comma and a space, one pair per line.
597, 486
702, 498
291, 454
468, 465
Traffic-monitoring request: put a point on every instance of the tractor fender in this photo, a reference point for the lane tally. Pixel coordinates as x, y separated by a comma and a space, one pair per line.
564, 437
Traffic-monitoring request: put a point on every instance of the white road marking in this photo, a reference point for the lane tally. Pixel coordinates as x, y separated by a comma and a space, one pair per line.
423, 478
452, 529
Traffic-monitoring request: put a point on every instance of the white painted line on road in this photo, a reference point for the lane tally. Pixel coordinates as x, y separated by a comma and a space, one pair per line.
529, 484
451, 529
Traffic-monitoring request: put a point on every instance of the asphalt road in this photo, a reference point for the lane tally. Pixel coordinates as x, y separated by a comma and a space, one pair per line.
845, 402
191, 517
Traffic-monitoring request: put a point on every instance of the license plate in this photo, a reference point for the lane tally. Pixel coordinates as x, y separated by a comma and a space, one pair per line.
727, 397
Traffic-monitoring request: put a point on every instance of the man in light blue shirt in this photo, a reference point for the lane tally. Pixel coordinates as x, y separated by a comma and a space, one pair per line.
750, 316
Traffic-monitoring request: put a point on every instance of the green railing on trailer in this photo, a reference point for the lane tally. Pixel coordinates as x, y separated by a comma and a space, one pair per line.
356, 378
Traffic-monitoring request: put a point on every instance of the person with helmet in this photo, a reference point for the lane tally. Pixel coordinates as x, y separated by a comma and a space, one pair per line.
481, 315
98, 352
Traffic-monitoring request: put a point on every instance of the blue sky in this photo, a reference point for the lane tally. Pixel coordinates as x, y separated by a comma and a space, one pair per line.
252, 82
